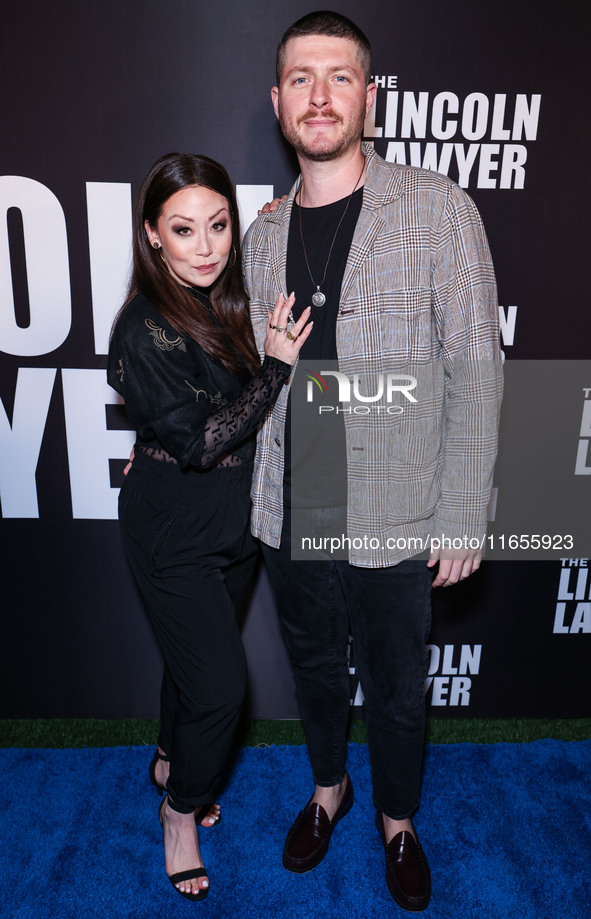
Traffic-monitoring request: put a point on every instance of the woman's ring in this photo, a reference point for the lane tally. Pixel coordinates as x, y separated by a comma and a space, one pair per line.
292, 337
279, 328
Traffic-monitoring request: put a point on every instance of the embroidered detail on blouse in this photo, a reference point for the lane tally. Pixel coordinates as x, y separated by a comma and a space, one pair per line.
217, 401
162, 341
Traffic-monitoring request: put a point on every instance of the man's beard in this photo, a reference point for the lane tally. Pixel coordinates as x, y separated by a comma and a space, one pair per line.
328, 150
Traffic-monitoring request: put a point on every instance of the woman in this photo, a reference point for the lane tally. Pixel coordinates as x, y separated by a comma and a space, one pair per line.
183, 357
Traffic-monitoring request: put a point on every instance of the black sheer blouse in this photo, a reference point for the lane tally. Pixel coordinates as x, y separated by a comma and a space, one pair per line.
182, 401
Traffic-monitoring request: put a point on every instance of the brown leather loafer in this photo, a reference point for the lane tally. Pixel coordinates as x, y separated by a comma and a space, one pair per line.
407, 871
309, 837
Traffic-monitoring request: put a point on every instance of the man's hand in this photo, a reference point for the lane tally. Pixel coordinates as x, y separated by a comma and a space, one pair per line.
454, 565
271, 206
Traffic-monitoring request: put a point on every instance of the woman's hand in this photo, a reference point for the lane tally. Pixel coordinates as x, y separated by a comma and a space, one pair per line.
282, 341
131, 459
271, 206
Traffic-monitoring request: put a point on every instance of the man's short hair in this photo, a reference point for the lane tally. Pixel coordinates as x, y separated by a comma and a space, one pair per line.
325, 22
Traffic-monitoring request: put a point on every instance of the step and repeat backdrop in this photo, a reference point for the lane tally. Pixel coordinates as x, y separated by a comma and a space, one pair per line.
493, 95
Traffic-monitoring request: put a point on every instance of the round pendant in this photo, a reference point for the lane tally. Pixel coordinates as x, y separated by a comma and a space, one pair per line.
318, 299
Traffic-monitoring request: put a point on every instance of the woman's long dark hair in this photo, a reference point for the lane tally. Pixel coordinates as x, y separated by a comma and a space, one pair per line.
233, 344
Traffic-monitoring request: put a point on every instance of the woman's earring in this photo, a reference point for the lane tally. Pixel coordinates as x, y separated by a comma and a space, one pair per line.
160, 250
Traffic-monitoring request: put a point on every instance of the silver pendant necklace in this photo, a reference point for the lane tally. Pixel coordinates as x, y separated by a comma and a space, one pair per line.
318, 298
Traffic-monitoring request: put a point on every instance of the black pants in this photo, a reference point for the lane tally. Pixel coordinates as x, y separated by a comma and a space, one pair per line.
186, 536
388, 611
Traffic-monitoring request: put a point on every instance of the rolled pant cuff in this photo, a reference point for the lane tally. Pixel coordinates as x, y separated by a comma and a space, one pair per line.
329, 783
388, 812
182, 808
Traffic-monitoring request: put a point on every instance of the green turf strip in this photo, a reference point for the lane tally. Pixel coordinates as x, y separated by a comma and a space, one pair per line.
94, 732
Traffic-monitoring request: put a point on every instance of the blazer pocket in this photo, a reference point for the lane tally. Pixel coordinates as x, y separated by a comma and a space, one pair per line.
406, 322
413, 476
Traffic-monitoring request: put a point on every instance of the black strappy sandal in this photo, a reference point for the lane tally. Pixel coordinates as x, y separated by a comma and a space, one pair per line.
185, 875
152, 770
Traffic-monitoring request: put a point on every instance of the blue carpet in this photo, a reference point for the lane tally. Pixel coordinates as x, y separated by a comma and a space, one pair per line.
506, 828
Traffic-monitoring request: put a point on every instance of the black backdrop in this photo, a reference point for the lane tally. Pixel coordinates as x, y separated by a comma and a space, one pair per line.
92, 94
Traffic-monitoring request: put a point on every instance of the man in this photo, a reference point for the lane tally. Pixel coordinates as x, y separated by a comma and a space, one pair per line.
396, 264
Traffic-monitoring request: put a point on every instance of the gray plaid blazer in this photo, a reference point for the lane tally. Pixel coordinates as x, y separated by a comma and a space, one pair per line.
418, 292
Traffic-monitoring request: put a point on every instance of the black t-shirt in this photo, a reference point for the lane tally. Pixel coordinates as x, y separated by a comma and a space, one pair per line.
312, 457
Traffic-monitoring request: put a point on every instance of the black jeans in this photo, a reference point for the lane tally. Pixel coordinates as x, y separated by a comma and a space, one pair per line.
186, 536
388, 611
